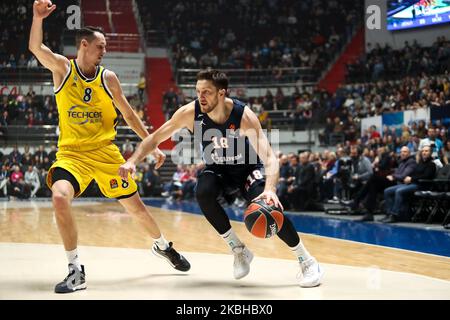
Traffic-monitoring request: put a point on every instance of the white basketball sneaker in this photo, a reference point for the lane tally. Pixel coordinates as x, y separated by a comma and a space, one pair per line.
311, 273
242, 259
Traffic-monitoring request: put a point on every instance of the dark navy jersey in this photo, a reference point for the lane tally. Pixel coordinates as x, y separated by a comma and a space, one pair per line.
222, 144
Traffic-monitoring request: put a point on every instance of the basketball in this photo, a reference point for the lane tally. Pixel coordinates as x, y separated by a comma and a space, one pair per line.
263, 220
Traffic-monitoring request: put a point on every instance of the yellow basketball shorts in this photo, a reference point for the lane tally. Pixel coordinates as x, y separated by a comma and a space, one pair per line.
101, 164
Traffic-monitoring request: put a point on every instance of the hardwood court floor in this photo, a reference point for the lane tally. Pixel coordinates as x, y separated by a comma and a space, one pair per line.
32, 257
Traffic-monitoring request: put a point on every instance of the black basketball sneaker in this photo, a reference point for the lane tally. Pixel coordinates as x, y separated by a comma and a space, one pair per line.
175, 259
75, 280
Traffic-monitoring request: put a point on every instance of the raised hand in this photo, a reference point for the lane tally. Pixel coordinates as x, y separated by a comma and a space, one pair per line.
43, 8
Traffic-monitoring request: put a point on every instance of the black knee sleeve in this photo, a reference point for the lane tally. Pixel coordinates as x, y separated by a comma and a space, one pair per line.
288, 233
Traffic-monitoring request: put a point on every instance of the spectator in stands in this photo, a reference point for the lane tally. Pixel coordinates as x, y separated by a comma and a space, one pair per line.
189, 183
11, 63
52, 153
46, 164
445, 152
257, 106
19, 189
27, 160
51, 119
359, 173
22, 63
40, 154
4, 122
127, 149
4, 180
32, 63
175, 184
396, 197
301, 192
434, 141
282, 187
266, 122
4, 119
361, 166
413, 143
16, 175
338, 126
279, 98
189, 61
151, 182
141, 87
421, 129
298, 118
379, 182
141, 114
328, 183
15, 157
26, 151
32, 180
324, 137
327, 162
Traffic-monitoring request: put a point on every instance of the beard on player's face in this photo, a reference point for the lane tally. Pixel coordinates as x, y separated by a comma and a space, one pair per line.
209, 106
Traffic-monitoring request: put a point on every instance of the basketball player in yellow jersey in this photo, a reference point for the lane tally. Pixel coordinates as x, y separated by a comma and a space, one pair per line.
86, 96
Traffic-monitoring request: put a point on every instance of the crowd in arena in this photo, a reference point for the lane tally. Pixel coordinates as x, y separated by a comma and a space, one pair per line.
276, 33
15, 22
354, 102
24, 172
368, 91
357, 174
308, 180
30, 109
385, 63
298, 106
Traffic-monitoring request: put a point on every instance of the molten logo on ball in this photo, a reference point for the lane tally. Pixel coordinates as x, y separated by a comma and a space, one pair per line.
263, 220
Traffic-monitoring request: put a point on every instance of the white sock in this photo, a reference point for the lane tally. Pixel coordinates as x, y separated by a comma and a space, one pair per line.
72, 257
162, 243
300, 252
232, 239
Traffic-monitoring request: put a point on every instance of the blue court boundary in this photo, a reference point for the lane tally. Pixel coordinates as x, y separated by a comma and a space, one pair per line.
388, 235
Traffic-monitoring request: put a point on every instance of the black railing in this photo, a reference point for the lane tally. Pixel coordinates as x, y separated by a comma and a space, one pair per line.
155, 39
48, 134
25, 75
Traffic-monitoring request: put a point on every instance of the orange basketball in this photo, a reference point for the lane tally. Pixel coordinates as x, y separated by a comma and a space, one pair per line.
263, 220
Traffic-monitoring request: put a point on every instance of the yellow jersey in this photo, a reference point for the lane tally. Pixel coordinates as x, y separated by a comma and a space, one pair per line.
87, 115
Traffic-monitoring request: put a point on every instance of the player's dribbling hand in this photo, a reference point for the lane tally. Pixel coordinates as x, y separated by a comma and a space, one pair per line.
271, 198
127, 168
159, 156
43, 8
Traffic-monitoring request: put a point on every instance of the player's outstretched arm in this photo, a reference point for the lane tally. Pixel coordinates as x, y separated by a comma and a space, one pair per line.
56, 63
120, 101
128, 113
182, 118
251, 127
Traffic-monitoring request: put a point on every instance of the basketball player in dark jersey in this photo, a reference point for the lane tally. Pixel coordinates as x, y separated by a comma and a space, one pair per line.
230, 133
